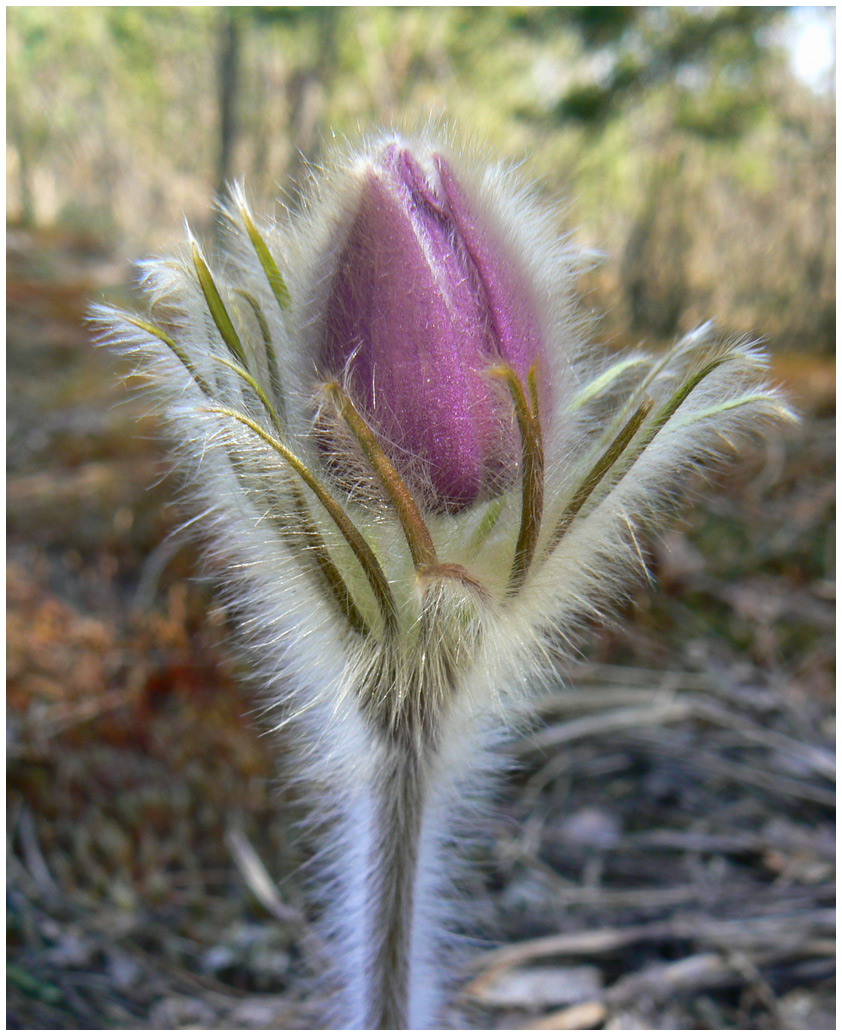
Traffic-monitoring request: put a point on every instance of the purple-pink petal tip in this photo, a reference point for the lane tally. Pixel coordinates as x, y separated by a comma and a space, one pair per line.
424, 300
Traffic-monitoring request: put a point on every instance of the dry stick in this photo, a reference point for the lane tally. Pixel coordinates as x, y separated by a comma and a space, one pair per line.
642, 721
596, 942
586, 1015
257, 878
606, 721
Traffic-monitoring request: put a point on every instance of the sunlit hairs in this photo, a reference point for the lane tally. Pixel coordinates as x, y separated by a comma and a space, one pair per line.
420, 484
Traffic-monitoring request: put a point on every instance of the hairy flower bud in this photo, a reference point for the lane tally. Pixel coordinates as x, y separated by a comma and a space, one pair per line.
424, 301
408, 559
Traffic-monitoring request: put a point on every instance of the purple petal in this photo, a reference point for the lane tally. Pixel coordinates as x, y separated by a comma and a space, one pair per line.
414, 327
511, 307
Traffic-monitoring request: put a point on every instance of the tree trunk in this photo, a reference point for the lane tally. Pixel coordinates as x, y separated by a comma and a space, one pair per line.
228, 60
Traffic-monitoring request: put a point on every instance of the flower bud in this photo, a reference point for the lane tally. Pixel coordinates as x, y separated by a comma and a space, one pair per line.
410, 293
425, 299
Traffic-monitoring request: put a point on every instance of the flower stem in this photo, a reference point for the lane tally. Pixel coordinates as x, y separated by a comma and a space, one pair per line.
393, 880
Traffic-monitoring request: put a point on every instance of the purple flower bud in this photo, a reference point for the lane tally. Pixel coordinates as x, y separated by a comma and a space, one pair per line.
425, 299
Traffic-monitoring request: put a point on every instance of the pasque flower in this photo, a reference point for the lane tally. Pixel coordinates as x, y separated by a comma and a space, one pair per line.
425, 301
421, 482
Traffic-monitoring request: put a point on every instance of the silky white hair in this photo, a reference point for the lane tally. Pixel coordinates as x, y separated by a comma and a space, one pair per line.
400, 684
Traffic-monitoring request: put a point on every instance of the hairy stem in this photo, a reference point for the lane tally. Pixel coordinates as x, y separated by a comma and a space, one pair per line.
393, 880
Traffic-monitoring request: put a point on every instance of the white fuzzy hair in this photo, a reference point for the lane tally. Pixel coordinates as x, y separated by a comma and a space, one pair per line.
397, 726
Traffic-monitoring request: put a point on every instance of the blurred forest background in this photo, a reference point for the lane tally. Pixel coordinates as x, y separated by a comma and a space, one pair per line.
664, 855
686, 146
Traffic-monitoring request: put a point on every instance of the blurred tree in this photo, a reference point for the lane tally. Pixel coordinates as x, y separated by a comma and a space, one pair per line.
18, 138
694, 48
690, 153
228, 60
311, 68
655, 257
708, 65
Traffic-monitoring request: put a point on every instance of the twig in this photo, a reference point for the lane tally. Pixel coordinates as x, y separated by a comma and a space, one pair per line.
257, 878
784, 928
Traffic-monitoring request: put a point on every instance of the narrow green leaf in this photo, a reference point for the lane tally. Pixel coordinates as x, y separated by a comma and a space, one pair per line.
353, 537
486, 524
217, 307
532, 472
271, 358
751, 398
599, 384
415, 528
273, 274
678, 397
330, 573
673, 403
254, 385
598, 472
176, 349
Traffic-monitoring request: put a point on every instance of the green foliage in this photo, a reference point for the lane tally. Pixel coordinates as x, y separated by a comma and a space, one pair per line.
696, 50
688, 151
